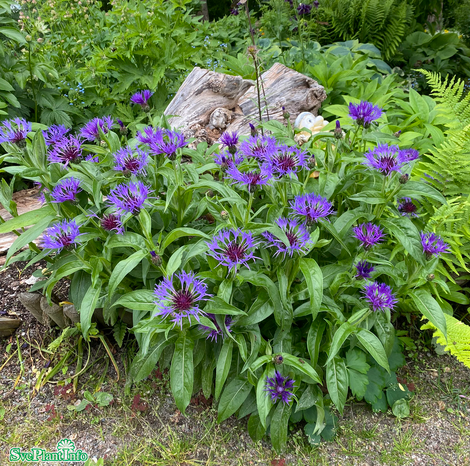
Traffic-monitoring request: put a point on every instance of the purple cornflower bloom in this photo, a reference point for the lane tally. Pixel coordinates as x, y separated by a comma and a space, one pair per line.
112, 222
234, 12
61, 235
65, 151
304, 9
54, 134
214, 334
232, 248
252, 178
406, 207
385, 159
230, 141
90, 131
433, 245
130, 160
164, 141
287, 160
226, 159
141, 98
380, 296
42, 190
364, 113
66, 190
182, 300
408, 155
297, 234
368, 234
311, 207
148, 134
14, 131
316, 3
93, 158
129, 197
364, 269
280, 388
260, 147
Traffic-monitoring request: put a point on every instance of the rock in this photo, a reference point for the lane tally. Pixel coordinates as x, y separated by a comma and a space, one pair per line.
32, 302
55, 312
8, 326
71, 313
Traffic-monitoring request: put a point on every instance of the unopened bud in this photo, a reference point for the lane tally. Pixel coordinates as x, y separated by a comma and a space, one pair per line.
404, 178
311, 162
146, 107
397, 134
156, 259
430, 277
224, 215
278, 359
210, 193
338, 132
285, 113
103, 143
28, 38
40, 40
253, 130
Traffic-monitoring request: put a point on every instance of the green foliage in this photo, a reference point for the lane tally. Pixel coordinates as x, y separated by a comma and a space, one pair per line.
457, 341
380, 22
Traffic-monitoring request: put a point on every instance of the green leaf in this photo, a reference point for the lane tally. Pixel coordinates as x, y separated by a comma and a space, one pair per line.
309, 398
232, 398
314, 338
224, 362
374, 346
27, 219
122, 269
430, 308
138, 300
314, 279
337, 381
88, 307
401, 408
255, 428
358, 383
302, 365
407, 234
339, 338
279, 424
356, 359
217, 305
127, 240
263, 400
182, 372
417, 189
180, 232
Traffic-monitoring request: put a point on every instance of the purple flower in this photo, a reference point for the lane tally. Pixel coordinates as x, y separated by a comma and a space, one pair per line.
406, 207
311, 207
304, 9
93, 158
232, 248
178, 297
287, 160
66, 190
130, 160
214, 334
141, 98
364, 269
364, 113
90, 131
316, 3
163, 141
385, 159
433, 245
230, 141
280, 388
54, 134
259, 147
226, 159
380, 296
112, 222
234, 12
297, 234
409, 155
250, 179
14, 131
129, 197
66, 150
368, 234
61, 235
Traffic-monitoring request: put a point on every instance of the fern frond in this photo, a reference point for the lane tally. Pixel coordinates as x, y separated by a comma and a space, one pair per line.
458, 338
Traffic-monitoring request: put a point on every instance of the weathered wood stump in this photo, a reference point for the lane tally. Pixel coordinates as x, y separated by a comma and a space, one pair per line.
209, 103
8, 325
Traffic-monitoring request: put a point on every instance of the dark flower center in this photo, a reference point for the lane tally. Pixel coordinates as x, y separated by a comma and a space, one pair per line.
254, 178
388, 163
408, 207
235, 252
110, 222
183, 300
71, 153
17, 136
131, 164
286, 162
292, 237
65, 239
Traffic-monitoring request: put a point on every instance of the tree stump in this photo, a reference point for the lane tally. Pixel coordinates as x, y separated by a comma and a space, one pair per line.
209, 103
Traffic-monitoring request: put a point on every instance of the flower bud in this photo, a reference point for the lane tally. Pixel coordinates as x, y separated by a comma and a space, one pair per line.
278, 359
40, 40
397, 134
156, 259
103, 143
285, 114
28, 38
430, 277
338, 132
224, 215
146, 107
311, 162
404, 178
254, 131
210, 193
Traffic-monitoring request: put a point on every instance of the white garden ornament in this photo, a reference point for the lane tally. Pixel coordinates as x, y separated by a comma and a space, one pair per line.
308, 120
